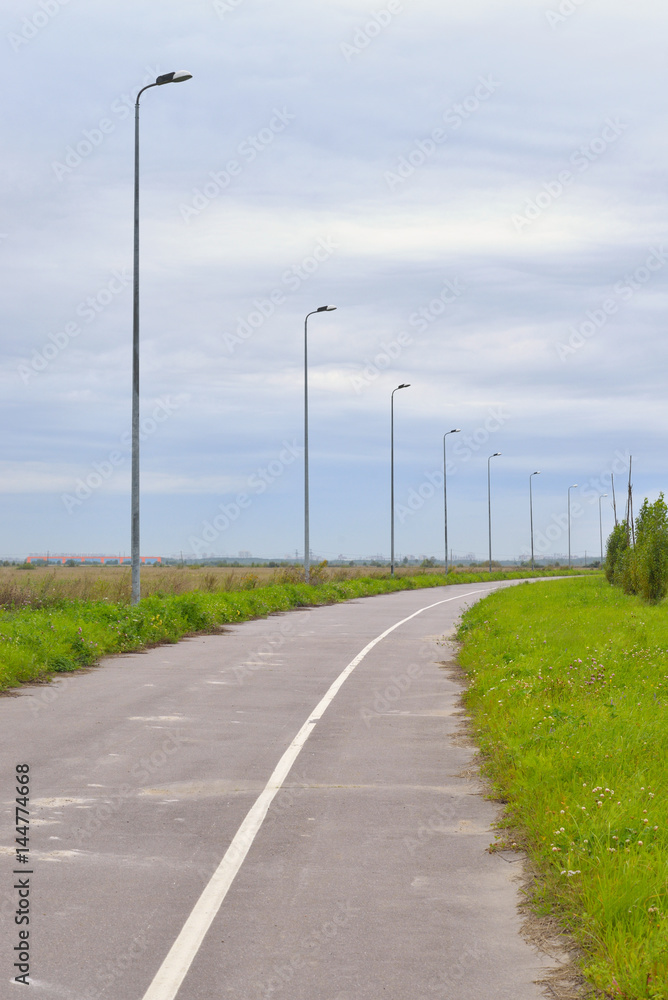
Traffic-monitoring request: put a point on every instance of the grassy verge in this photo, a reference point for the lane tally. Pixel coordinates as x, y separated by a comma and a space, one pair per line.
568, 695
69, 634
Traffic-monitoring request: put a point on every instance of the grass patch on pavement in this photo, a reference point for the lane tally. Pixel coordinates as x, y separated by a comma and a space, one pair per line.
67, 634
568, 692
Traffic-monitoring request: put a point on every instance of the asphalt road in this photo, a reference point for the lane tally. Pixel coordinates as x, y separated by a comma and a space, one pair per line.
263, 814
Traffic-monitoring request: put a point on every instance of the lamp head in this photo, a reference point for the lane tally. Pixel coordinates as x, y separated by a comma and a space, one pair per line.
178, 77
325, 309
404, 385
456, 430
574, 486
537, 473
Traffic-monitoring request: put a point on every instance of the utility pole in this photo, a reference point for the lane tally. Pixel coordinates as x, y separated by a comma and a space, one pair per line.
614, 502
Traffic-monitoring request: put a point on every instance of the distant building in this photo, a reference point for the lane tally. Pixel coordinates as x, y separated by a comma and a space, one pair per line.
88, 560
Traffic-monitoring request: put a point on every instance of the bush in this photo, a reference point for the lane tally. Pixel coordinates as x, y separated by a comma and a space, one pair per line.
618, 543
651, 551
290, 574
626, 571
643, 569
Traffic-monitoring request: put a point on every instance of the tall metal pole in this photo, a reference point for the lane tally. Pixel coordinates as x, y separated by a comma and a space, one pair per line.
600, 522
404, 385
574, 486
134, 516
134, 501
489, 506
307, 561
456, 430
392, 483
307, 544
531, 512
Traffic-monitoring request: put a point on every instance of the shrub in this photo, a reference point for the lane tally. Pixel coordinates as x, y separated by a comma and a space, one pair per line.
626, 571
651, 551
617, 545
290, 574
318, 573
643, 569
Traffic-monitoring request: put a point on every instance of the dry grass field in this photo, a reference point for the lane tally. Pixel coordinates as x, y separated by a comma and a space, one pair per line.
47, 585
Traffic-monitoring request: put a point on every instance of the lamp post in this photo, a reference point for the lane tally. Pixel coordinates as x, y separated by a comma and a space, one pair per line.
573, 487
531, 512
456, 430
600, 522
307, 551
134, 504
404, 385
489, 506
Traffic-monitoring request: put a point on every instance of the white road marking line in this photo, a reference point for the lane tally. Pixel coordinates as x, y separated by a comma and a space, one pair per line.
172, 972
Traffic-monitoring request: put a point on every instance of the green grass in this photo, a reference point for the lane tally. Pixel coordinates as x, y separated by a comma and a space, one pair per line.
68, 634
568, 687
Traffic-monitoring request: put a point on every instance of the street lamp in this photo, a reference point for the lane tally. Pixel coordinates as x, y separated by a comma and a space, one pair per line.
404, 385
573, 487
134, 504
600, 522
307, 551
489, 506
456, 430
531, 512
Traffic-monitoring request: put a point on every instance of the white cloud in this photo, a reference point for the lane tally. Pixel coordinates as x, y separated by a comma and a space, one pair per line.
224, 295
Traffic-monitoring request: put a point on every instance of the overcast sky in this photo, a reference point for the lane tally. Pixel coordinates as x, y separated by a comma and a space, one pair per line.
479, 188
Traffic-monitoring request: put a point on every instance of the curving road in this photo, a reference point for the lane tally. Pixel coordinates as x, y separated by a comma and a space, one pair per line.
277, 812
